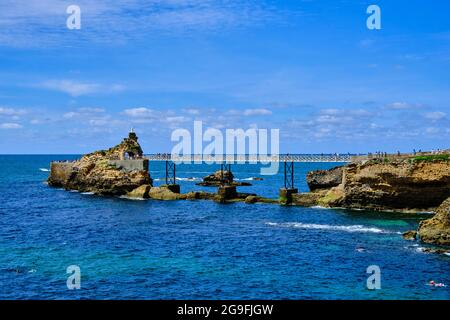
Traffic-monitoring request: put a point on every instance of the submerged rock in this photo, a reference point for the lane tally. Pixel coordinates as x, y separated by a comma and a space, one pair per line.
436, 251
251, 199
437, 229
409, 235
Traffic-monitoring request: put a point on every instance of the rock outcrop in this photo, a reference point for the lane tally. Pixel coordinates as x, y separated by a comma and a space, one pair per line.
216, 179
378, 184
323, 179
164, 193
409, 235
407, 183
142, 192
437, 229
97, 172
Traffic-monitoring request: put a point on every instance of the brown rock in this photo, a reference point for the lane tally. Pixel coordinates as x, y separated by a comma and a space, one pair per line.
94, 172
140, 192
215, 180
323, 179
162, 193
410, 235
251, 199
437, 229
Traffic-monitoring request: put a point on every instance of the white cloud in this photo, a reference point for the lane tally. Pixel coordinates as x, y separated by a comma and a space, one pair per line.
192, 111
435, 116
75, 88
28, 23
10, 126
83, 112
140, 112
250, 112
257, 112
11, 112
177, 119
403, 106
72, 88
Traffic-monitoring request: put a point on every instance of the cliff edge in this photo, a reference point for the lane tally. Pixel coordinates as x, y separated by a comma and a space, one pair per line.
412, 183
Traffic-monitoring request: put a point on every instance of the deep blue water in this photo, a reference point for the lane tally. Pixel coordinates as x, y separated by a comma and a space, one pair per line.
199, 249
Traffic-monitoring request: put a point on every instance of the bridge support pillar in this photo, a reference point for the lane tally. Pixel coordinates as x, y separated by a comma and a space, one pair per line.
224, 167
171, 177
285, 195
225, 193
175, 188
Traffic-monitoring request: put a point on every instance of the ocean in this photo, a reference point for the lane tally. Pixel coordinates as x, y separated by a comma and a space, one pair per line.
134, 249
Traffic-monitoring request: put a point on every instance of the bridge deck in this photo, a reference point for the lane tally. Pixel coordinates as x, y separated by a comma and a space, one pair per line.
253, 158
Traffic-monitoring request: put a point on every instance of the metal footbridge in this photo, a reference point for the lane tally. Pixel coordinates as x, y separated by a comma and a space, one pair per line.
252, 158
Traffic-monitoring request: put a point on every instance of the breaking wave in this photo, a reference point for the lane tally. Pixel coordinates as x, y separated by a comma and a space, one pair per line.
188, 179
44, 169
352, 228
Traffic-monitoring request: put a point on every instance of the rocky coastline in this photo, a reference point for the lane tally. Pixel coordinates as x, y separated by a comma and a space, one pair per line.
396, 184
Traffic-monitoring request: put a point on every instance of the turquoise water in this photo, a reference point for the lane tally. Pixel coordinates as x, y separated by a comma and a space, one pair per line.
130, 249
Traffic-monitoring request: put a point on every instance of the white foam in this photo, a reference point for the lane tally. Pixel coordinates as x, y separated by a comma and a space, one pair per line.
320, 207
351, 228
88, 193
44, 169
245, 179
188, 179
132, 198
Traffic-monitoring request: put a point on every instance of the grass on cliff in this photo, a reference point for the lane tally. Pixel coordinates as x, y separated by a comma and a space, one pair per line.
433, 157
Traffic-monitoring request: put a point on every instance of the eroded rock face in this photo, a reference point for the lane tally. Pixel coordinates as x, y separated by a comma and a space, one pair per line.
396, 185
94, 172
379, 184
437, 229
324, 179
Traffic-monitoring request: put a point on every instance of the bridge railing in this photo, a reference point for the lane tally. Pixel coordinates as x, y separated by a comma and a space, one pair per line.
253, 158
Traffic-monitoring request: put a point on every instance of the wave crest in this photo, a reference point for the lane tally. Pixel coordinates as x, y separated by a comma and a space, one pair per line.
350, 228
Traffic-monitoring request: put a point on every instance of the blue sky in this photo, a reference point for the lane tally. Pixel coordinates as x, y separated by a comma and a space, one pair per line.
310, 68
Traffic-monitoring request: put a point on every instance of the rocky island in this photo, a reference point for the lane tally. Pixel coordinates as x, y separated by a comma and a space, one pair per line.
115, 171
